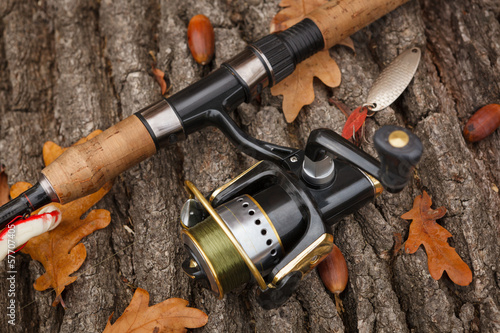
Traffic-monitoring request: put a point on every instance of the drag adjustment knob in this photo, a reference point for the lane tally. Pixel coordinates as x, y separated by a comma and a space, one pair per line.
399, 151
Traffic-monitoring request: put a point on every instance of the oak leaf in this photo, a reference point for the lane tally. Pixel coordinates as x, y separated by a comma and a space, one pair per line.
171, 315
59, 250
425, 231
297, 88
160, 78
4, 186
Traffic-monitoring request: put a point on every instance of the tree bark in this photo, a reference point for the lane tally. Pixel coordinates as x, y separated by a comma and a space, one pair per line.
71, 66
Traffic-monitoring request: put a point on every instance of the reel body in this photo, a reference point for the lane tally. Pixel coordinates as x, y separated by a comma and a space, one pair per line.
270, 224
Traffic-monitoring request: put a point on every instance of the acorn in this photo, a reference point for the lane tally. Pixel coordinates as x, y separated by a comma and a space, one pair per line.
334, 274
482, 123
201, 39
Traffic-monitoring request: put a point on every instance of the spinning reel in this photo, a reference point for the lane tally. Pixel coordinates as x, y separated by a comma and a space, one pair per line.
270, 224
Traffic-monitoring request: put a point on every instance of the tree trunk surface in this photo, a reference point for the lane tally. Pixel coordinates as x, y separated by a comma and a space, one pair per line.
69, 67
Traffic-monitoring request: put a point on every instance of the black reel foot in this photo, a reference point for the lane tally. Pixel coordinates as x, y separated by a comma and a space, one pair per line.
273, 298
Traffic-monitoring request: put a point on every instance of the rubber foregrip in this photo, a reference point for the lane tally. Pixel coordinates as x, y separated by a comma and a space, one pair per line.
285, 50
85, 168
339, 19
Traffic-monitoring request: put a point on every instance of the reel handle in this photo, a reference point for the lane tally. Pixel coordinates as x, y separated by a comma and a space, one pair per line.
399, 151
321, 140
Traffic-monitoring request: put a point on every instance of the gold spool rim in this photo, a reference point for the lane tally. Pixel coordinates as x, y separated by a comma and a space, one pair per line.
305, 261
255, 272
223, 187
205, 258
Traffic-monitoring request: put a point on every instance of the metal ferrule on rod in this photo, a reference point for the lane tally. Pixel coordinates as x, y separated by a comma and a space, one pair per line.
162, 123
251, 72
272, 58
48, 188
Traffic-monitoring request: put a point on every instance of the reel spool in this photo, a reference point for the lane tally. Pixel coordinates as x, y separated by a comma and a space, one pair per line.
270, 225
238, 241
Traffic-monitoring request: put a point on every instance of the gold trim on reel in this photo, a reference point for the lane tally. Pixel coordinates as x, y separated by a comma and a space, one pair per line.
308, 259
224, 266
224, 244
231, 182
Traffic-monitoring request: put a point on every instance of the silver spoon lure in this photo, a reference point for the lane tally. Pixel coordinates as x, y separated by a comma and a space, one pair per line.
393, 80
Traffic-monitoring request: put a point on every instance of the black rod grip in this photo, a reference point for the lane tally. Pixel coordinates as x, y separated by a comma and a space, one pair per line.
399, 151
303, 39
284, 50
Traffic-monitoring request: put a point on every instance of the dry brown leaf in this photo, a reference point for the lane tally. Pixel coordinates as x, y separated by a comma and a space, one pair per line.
398, 242
59, 250
160, 78
347, 42
425, 231
297, 89
171, 315
4, 186
340, 105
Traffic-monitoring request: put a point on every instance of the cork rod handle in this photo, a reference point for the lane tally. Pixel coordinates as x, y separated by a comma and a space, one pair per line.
85, 168
338, 19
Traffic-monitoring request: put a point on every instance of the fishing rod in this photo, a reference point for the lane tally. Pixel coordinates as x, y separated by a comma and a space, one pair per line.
269, 224
83, 169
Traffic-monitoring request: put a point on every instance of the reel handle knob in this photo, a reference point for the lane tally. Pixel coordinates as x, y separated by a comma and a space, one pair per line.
399, 151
